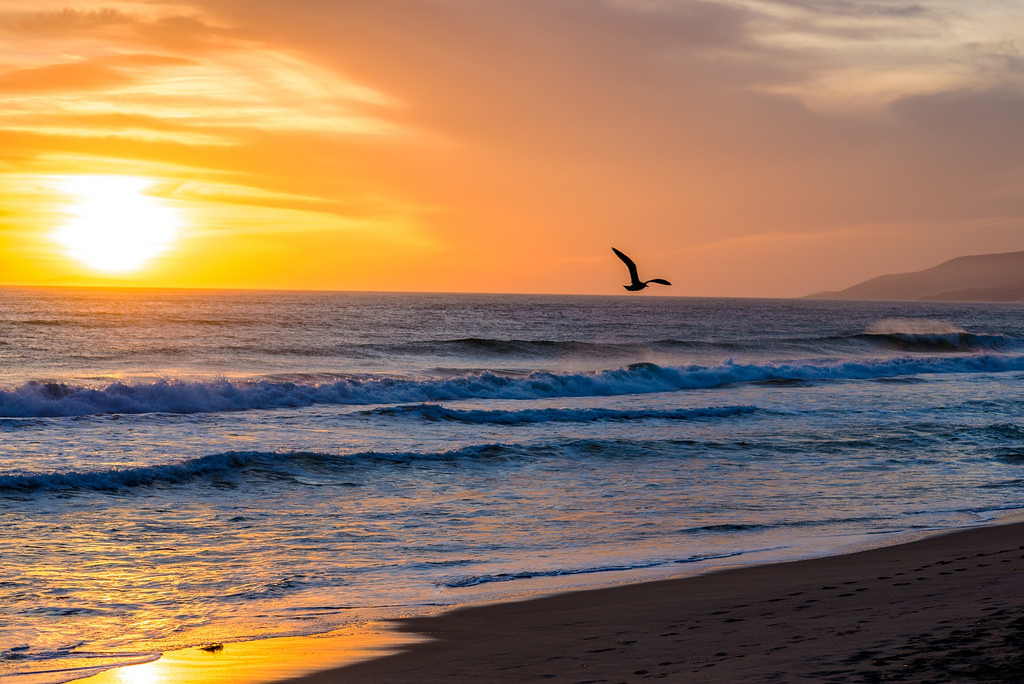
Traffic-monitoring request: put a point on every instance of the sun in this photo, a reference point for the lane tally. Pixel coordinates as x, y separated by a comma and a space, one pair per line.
115, 227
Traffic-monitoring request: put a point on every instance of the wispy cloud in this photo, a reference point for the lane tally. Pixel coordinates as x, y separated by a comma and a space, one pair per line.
539, 126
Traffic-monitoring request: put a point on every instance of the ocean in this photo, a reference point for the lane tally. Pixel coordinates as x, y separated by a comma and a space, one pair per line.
184, 467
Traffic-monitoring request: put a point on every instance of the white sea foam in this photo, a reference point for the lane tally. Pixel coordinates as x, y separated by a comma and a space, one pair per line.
175, 396
914, 326
437, 412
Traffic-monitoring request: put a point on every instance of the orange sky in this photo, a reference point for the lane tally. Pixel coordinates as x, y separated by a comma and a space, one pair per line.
741, 148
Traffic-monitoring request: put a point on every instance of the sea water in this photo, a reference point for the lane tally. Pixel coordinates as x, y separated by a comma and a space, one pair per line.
180, 467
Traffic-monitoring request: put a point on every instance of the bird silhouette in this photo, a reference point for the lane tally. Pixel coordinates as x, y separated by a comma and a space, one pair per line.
636, 283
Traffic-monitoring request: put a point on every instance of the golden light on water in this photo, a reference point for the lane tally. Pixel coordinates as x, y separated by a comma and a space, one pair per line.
262, 660
114, 226
138, 675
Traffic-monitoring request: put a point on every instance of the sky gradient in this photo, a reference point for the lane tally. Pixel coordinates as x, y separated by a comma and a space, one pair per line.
746, 148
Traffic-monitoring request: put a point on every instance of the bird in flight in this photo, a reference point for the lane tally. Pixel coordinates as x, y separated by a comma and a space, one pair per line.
636, 283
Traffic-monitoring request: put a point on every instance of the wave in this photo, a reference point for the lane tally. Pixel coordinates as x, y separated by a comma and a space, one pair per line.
920, 334
476, 580
63, 665
50, 399
436, 412
124, 478
305, 468
931, 335
492, 348
489, 347
937, 342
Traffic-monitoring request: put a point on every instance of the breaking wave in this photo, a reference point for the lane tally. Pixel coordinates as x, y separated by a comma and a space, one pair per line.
933, 335
306, 468
38, 399
477, 580
909, 334
436, 412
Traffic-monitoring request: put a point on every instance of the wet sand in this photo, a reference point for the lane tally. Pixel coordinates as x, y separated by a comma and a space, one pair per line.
948, 608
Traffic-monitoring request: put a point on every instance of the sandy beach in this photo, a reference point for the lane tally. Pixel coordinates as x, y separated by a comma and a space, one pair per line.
943, 609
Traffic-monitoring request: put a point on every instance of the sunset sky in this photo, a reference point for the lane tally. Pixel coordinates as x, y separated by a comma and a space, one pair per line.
737, 148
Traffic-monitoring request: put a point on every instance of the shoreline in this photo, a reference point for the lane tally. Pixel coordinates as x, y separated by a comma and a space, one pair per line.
944, 607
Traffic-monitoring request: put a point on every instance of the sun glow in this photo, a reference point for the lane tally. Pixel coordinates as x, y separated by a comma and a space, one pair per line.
115, 227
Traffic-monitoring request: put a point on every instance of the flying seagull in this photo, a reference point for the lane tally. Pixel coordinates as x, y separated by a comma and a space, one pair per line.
637, 284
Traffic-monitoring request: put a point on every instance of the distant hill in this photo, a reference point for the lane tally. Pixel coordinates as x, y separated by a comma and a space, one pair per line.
979, 278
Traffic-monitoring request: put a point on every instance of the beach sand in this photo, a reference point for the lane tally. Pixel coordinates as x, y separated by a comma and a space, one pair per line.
948, 608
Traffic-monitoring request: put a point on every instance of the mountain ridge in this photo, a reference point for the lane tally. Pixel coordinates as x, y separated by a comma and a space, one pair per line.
975, 278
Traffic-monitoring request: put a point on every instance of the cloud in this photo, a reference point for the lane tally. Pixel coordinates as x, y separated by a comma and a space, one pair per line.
968, 131
62, 77
94, 74
191, 34
149, 27
63, 21
544, 126
859, 9
654, 102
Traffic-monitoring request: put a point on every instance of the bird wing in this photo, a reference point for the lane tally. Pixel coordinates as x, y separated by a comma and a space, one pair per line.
660, 281
629, 264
